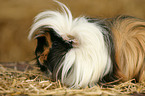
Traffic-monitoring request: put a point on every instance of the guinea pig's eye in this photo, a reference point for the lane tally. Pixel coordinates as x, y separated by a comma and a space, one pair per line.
55, 43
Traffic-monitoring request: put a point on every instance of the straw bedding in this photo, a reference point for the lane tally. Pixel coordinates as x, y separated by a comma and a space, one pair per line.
24, 78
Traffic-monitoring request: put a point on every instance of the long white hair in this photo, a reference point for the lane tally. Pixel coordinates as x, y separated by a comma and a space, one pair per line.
88, 60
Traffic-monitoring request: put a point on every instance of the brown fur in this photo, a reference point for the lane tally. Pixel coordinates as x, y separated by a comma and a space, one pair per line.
43, 56
129, 39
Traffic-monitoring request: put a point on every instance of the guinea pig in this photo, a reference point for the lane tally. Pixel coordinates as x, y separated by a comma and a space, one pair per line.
82, 51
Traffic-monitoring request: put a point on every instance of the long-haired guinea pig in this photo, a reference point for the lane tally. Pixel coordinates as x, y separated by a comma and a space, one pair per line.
83, 51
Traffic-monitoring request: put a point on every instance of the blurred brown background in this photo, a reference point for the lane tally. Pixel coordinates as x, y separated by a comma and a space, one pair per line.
16, 17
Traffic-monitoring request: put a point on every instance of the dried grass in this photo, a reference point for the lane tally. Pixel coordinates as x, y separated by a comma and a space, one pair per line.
33, 82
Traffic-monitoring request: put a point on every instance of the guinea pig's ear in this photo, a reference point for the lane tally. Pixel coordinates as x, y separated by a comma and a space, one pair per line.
43, 46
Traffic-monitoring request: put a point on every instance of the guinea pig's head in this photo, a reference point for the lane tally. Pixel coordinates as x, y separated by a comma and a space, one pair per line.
51, 50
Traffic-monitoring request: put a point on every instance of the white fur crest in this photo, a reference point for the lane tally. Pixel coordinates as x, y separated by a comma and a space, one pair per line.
86, 63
